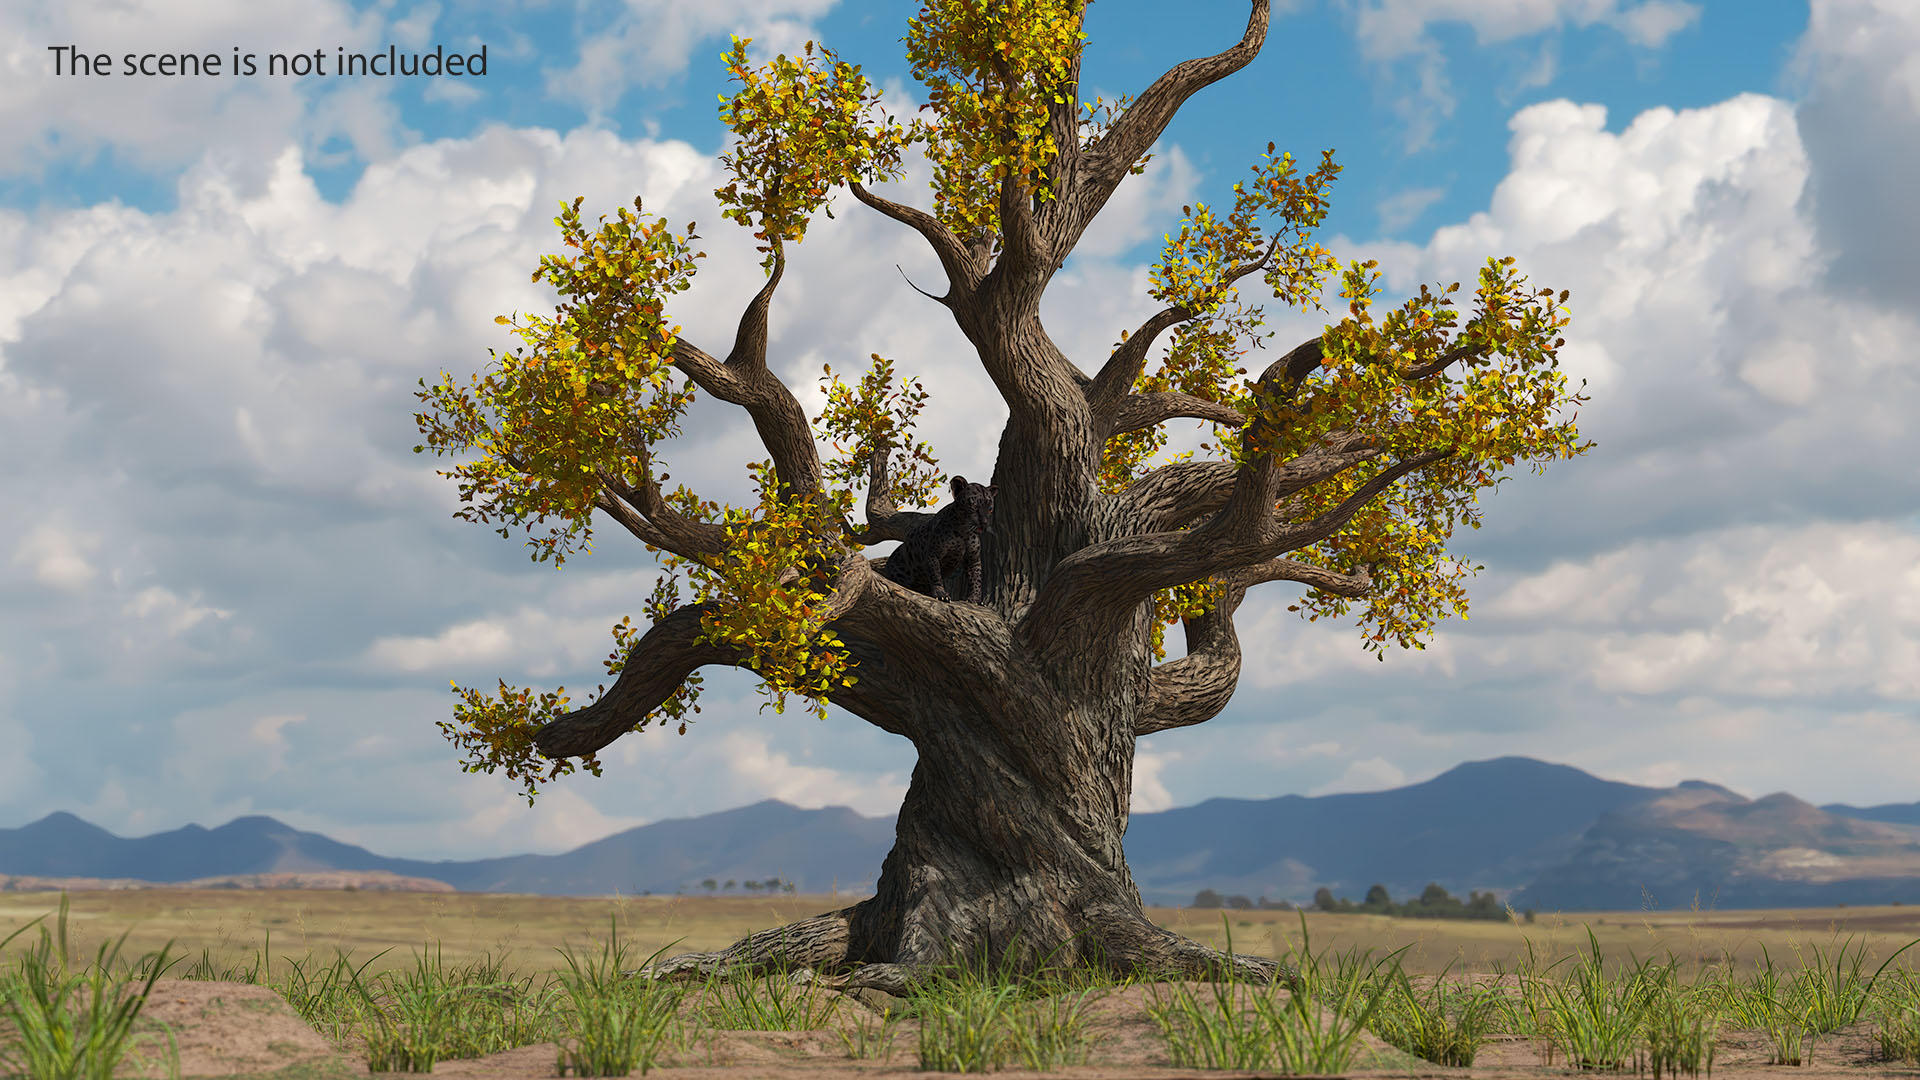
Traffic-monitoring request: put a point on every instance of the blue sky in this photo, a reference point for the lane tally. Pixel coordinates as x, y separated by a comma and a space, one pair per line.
230, 587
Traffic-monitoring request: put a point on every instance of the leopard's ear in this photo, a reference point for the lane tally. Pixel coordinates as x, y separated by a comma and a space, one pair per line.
992, 490
959, 487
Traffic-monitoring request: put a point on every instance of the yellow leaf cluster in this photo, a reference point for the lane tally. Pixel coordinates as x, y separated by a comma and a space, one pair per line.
1010, 61
802, 133
592, 389
878, 414
1499, 410
768, 591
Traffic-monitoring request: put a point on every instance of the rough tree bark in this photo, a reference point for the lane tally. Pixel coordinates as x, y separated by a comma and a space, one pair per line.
1024, 710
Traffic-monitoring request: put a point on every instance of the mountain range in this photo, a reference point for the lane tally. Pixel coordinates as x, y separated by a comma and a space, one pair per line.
1539, 835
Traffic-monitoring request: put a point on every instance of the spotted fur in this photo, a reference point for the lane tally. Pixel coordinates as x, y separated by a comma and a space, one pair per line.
936, 549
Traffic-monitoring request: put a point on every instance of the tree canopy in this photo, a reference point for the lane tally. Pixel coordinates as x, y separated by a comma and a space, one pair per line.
1344, 464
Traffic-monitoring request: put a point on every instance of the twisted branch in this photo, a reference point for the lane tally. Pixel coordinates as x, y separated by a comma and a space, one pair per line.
1196, 687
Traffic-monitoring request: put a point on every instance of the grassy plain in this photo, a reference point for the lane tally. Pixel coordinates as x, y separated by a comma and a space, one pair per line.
523, 933
1624, 997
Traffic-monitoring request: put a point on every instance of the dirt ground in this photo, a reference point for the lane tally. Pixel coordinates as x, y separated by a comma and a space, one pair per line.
226, 1029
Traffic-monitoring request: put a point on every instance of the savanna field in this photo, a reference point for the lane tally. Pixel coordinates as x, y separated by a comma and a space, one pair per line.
510, 986
233, 925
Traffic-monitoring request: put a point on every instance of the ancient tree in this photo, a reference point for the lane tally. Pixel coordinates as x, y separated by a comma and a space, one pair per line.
1343, 466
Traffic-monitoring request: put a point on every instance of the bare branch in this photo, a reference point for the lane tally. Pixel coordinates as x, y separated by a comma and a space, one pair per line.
1352, 586
686, 536
622, 511
879, 485
1446, 359
916, 288
640, 527
662, 526
1294, 367
1333, 455
885, 519
1334, 520
1117, 375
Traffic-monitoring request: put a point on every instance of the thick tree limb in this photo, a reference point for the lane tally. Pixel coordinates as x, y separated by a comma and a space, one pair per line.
1096, 589
1025, 252
1176, 495
921, 632
964, 266
1179, 494
1063, 125
662, 659
656, 666
1250, 506
1098, 171
743, 379
1194, 688
1138, 411
879, 694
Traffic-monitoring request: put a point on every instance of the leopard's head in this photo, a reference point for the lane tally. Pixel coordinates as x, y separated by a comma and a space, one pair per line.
977, 500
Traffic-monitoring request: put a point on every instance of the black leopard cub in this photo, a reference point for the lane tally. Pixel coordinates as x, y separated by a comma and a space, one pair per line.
938, 548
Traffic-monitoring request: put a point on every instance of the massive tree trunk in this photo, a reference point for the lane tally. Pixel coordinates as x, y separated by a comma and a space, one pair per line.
1006, 851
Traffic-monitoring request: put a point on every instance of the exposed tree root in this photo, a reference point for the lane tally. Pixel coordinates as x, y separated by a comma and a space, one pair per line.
1133, 944
816, 951
819, 944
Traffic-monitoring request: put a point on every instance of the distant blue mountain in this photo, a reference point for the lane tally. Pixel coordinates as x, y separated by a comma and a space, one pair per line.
808, 847
1891, 813
1481, 825
1493, 825
1699, 843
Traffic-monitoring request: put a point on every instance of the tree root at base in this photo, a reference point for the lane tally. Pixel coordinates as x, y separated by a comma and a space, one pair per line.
814, 951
